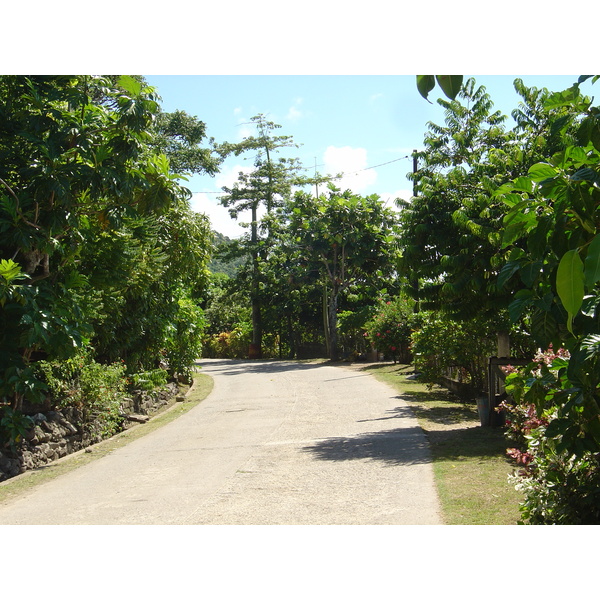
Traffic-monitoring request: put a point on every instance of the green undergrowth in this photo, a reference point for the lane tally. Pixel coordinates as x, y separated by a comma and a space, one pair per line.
469, 461
16, 486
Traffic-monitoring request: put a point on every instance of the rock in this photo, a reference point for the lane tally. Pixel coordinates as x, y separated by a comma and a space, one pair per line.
4, 463
28, 461
58, 433
138, 418
39, 435
46, 426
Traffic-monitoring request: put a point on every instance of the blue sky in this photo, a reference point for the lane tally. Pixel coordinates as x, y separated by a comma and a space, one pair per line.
363, 126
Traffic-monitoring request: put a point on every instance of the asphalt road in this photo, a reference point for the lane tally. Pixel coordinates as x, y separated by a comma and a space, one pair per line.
275, 443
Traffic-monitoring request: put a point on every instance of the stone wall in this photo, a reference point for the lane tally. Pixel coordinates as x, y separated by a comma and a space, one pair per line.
60, 432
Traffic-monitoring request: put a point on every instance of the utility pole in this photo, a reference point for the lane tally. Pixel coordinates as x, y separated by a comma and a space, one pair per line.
316, 180
415, 282
415, 167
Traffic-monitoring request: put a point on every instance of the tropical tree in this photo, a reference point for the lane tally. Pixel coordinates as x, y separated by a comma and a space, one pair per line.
78, 174
345, 239
453, 227
447, 228
182, 137
267, 186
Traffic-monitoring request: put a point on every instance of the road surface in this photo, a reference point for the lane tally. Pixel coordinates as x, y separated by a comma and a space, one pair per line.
275, 443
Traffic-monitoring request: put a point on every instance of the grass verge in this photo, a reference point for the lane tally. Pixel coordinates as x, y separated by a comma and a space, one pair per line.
21, 484
469, 461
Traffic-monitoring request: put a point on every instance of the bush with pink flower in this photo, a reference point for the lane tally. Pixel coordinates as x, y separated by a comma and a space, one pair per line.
552, 421
390, 329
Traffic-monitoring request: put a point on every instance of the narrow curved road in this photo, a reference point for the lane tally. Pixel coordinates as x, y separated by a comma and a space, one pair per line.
275, 443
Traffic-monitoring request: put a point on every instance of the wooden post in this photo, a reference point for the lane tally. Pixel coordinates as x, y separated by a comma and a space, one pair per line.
503, 344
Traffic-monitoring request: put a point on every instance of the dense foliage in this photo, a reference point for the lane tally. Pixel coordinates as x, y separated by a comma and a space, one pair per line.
443, 347
100, 254
527, 239
344, 239
389, 330
552, 240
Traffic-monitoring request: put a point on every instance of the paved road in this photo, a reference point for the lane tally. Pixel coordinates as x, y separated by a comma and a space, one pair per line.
274, 443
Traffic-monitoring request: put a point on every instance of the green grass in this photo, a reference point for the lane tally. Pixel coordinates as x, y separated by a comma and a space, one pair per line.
470, 462
21, 484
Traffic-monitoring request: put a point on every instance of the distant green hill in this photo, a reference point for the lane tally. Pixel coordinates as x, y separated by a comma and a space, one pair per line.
220, 262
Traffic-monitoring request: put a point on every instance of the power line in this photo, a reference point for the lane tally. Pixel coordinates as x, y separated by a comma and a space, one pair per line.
339, 176
373, 167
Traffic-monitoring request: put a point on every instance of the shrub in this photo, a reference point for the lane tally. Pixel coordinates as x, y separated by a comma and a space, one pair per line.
228, 344
556, 454
390, 329
441, 345
351, 330
94, 389
185, 345
13, 427
149, 380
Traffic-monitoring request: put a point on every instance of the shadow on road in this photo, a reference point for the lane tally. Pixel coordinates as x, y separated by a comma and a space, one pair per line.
232, 366
406, 446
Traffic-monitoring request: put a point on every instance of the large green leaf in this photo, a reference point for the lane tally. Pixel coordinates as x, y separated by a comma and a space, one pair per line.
425, 83
523, 184
450, 84
543, 327
131, 85
592, 263
541, 171
506, 272
538, 237
530, 271
522, 300
570, 284
558, 99
11, 271
585, 174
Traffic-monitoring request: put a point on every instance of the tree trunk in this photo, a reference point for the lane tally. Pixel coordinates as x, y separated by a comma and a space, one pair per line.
291, 337
503, 344
326, 320
256, 345
332, 318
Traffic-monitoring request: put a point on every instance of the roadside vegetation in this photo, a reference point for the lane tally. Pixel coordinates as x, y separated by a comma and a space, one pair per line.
201, 388
107, 276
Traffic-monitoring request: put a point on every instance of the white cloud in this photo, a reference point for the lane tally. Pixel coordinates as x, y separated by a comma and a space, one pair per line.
389, 198
218, 214
294, 113
229, 175
244, 128
352, 162
245, 131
